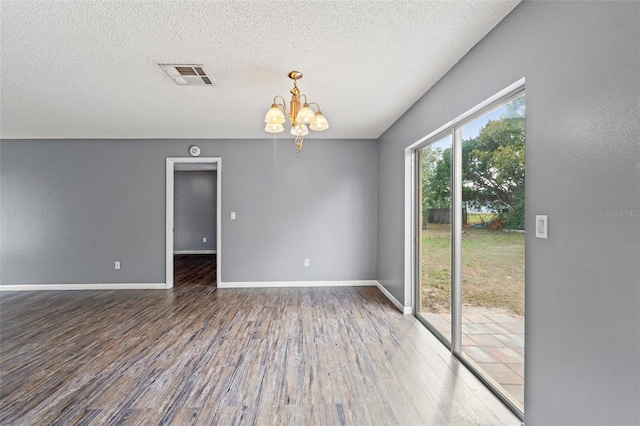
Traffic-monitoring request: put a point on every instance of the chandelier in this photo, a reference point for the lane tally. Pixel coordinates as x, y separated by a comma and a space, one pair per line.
302, 118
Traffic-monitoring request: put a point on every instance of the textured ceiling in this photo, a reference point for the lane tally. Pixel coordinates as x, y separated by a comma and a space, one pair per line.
88, 69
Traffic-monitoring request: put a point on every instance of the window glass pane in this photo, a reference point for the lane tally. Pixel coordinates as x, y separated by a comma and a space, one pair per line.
493, 246
434, 293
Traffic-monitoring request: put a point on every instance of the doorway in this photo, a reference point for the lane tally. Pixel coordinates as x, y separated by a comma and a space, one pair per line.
469, 242
192, 164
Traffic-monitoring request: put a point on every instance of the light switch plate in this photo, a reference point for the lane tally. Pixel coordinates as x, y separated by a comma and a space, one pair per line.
542, 226
233, 215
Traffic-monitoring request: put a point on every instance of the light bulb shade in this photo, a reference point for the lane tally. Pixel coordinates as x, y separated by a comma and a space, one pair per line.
274, 115
320, 123
299, 130
274, 128
305, 115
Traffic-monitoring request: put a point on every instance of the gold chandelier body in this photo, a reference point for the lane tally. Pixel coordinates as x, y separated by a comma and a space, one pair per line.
302, 118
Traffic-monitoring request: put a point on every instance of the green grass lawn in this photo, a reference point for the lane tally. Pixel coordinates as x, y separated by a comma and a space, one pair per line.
492, 269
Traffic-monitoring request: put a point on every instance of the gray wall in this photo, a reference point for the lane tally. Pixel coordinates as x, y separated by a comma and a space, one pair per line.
582, 69
194, 210
70, 208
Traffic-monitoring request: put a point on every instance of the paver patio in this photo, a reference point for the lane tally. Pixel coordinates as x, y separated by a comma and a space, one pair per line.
494, 341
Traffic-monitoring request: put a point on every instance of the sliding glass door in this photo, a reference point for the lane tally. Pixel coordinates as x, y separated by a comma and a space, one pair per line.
434, 230
492, 247
469, 228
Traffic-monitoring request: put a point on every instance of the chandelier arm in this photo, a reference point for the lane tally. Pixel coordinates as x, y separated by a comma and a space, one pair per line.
283, 105
316, 104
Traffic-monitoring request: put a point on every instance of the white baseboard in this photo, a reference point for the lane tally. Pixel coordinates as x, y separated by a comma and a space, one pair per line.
404, 309
56, 287
269, 284
194, 252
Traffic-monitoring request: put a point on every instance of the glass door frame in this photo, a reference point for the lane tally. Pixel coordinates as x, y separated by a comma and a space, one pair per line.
453, 129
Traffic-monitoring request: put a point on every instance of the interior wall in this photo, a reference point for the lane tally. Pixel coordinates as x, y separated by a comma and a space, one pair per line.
194, 210
581, 61
71, 208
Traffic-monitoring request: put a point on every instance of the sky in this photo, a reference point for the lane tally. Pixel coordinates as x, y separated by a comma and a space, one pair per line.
471, 130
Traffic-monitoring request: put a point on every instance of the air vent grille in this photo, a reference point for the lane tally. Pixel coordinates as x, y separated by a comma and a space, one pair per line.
187, 74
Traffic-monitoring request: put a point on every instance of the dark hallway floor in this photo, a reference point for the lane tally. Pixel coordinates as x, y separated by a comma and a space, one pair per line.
194, 269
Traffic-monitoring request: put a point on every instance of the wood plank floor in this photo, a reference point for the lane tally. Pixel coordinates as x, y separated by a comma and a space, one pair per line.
194, 269
200, 355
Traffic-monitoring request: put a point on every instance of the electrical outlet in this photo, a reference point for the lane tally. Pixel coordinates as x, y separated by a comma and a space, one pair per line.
204, 239
306, 262
117, 264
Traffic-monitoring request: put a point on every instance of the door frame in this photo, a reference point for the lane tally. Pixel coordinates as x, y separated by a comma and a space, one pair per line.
169, 206
412, 228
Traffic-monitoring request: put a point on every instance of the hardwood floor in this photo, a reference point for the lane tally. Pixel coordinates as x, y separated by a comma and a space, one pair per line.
200, 355
199, 269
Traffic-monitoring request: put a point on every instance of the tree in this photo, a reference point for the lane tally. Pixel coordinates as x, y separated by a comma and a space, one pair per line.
494, 164
492, 172
436, 191
492, 169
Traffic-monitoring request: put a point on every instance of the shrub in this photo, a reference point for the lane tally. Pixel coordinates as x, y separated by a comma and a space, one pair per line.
514, 219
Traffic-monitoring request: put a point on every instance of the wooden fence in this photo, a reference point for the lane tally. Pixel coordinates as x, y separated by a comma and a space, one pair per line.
443, 215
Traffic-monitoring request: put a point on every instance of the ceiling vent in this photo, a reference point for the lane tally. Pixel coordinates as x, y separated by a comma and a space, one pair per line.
187, 74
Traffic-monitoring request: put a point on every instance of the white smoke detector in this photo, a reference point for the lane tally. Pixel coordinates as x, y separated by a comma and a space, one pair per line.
187, 74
